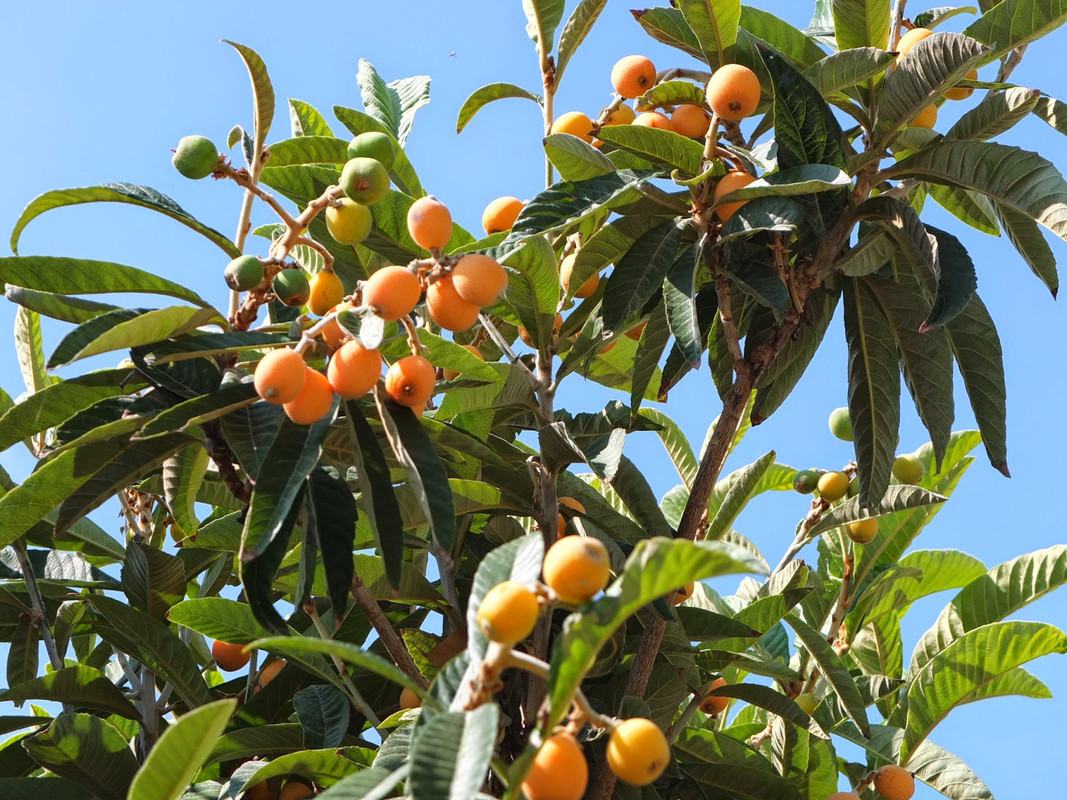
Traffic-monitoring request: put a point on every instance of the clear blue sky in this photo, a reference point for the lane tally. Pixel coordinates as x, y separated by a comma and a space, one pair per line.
101, 92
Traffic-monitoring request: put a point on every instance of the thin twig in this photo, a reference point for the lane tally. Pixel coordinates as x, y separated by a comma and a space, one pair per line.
361, 705
505, 348
40, 615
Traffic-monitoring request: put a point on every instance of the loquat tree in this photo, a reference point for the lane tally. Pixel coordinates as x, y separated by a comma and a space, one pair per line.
355, 440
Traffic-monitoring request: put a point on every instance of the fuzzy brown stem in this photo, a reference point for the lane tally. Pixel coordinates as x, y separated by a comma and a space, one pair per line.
394, 645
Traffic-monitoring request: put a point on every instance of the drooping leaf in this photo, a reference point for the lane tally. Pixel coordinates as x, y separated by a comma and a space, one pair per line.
997, 113
323, 713
845, 69
1029, 242
1013, 23
335, 528
577, 27
152, 580
873, 388
639, 274
575, 160
81, 686
180, 752
660, 147
668, 26
480, 98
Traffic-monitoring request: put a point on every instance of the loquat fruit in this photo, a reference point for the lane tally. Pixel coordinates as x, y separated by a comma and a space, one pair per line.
313, 402
559, 770
691, 120
733, 92
270, 672
408, 699
195, 157
908, 468
364, 180
392, 292
353, 370
452, 374
260, 791
909, 40
332, 332
280, 375
447, 308
430, 223
291, 286
575, 123
326, 292
479, 279
348, 222
862, 531
962, 92
894, 783
843, 796
638, 751
684, 593
373, 144
623, 115
636, 331
805, 481
576, 568
653, 119
832, 486
807, 702
632, 76
501, 214
410, 381
731, 181
841, 424
566, 267
508, 613
556, 327
926, 118
229, 657
244, 273
713, 704
295, 790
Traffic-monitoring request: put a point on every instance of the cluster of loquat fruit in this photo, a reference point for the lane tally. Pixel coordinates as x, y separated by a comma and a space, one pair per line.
834, 485
575, 569
927, 118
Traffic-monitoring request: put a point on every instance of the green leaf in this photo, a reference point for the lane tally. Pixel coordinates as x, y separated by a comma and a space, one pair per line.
517, 560
1029, 242
807, 132
402, 172
480, 98
22, 654
154, 644
1014, 178
49, 485
376, 485
305, 120
43, 788
325, 767
180, 752
574, 159
257, 575
376, 783
833, 670
639, 274
128, 193
425, 471
861, 23
972, 208
989, 598
956, 280
218, 618
733, 493
792, 182
323, 713
303, 647
59, 402
939, 60
451, 754
965, 668
293, 454
656, 567
262, 96
259, 741
542, 19
666, 148
925, 358
668, 26
83, 276
392, 104
679, 297
533, 289
57, 306
899, 497
335, 519
677, 446
997, 113
873, 388
81, 686
1013, 23
935, 16
183, 475
152, 580
843, 70
88, 751
783, 37
308, 150
577, 27
714, 22
29, 349
635, 492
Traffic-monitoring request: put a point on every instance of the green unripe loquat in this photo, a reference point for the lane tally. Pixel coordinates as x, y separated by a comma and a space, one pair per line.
195, 157
364, 180
244, 273
373, 144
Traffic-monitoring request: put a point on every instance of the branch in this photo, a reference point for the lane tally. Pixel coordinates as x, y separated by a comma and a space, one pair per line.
40, 617
394, 645
895, 23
